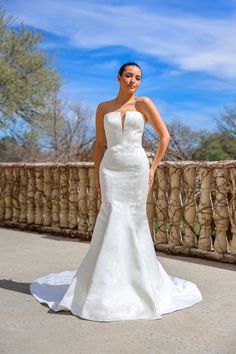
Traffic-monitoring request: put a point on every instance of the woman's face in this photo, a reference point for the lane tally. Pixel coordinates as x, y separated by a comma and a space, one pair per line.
130, 78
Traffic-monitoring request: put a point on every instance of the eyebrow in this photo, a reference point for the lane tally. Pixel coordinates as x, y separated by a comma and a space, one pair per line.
128, 72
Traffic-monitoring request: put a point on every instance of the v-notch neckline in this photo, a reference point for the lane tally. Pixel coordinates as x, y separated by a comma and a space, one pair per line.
122, 118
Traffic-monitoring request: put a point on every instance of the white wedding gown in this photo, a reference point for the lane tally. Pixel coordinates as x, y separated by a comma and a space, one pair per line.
120, 277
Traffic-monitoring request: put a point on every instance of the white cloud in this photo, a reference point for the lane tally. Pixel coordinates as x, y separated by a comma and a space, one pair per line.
192, 43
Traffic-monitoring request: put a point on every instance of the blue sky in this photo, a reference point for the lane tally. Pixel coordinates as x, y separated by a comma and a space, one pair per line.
186, 49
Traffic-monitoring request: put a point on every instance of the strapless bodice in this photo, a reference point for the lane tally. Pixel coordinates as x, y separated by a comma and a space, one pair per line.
128, 135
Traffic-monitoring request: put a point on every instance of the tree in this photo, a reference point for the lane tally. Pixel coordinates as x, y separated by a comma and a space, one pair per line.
64, 135
226, 123
27, 82
182, 144
13, 150
215, 147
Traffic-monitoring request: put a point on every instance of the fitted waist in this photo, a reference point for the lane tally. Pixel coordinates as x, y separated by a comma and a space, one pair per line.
125, 160
125, 147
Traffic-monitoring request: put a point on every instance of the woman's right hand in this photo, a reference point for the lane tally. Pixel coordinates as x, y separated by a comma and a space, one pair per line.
98, 188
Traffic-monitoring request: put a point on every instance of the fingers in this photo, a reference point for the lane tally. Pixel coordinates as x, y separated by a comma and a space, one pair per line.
98, 188
150, 183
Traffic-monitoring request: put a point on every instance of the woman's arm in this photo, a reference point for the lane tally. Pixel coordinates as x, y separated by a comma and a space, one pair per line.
158, 124
100, 144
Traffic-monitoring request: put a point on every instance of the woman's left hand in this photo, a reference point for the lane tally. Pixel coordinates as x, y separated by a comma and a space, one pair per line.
151, 178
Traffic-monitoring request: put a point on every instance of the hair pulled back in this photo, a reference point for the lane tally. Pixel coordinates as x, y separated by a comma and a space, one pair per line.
122, 68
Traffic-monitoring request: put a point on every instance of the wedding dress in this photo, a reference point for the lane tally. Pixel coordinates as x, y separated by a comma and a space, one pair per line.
120, 277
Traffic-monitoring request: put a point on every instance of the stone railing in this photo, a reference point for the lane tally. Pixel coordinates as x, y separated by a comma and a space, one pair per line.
191, 209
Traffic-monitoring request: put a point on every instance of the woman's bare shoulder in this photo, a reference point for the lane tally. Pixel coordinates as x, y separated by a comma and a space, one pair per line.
142, 105
143, 99
104, 106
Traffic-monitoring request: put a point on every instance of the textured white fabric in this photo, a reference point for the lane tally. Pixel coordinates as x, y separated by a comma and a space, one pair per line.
120, 277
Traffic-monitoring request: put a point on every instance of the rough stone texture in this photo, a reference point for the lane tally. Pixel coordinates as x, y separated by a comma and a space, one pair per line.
28, 327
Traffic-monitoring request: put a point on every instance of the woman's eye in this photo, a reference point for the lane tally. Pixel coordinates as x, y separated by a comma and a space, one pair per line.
137, 78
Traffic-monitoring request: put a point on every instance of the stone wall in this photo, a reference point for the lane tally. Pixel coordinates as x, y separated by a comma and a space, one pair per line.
191, 209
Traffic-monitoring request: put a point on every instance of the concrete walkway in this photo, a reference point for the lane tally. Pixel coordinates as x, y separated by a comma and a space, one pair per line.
28, 327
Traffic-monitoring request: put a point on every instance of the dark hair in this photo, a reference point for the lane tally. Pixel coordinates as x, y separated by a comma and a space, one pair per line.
122, 68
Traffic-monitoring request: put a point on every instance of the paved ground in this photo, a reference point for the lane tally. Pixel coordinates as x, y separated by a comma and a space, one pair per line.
28, 327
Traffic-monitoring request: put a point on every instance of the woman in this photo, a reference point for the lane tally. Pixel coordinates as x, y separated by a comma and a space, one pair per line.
120, 277
129, 77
